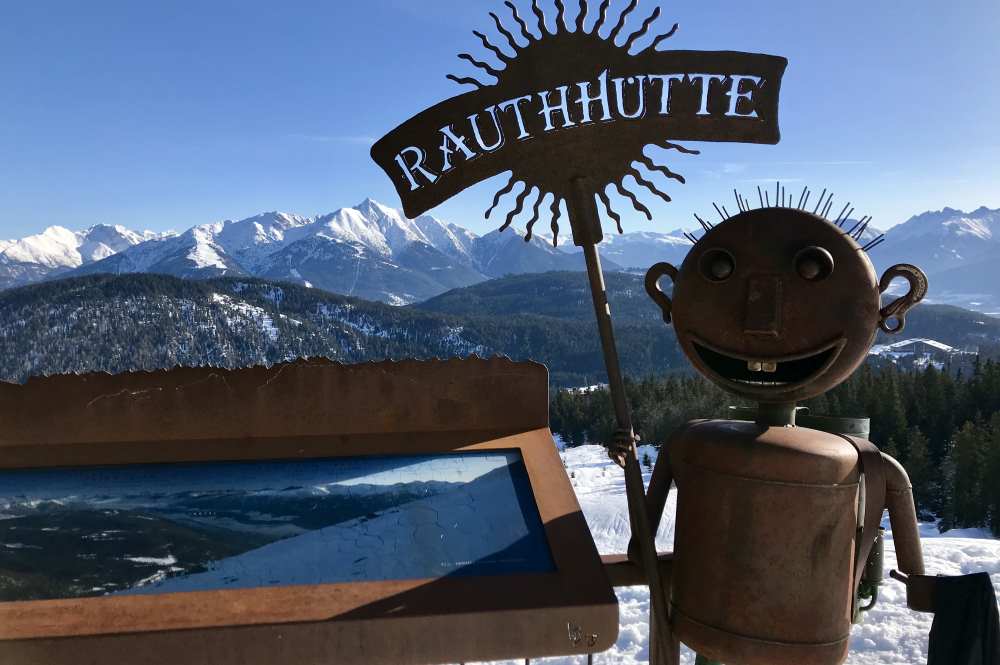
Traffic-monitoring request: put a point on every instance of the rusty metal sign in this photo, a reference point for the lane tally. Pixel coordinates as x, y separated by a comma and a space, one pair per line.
568, 112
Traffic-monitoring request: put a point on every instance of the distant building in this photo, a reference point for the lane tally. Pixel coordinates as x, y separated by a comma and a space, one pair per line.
582, 390
920, 352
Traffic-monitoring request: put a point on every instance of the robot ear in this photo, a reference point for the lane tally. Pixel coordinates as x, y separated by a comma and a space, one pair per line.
652, 287
898, 308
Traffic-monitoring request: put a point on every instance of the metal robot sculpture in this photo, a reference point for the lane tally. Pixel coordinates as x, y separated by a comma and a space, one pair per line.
775, 523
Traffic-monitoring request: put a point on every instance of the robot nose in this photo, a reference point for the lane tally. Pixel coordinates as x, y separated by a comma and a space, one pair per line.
763, 308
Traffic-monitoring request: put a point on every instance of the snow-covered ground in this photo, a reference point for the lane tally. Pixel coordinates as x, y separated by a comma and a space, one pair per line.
890, 634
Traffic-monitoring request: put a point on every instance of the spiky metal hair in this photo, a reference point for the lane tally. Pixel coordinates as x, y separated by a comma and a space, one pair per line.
782, 199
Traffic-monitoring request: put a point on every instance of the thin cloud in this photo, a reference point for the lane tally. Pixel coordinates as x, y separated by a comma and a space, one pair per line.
357, 139
760, 181
840, 162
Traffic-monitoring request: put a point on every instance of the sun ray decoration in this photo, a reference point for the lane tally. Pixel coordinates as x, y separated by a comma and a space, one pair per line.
636, 203
560, 27
661, 38
518, 206
643, 29
652, 166
560, 16
822, 208
554, 211
537, 11
520, 22
479, 63
602, 15
506, 189
534, 216
506, 33
621, 21
601, 194
466, 80
501, 56
647, 184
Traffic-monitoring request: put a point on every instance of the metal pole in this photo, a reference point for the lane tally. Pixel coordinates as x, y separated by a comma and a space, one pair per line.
583, 210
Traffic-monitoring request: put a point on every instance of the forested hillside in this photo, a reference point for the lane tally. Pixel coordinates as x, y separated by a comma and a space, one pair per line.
129, 322
566, 295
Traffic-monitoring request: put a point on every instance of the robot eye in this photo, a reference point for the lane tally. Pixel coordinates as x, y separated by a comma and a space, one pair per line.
717, 265
813, 264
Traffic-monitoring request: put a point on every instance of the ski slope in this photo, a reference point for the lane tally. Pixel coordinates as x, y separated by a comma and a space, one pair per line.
890, 634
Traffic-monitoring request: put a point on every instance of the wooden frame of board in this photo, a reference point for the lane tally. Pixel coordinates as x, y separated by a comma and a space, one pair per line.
302, 410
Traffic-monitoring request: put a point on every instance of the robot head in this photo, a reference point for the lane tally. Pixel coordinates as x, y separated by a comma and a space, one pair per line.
779, 304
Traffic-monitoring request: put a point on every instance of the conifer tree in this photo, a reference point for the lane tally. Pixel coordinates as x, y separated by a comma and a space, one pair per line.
968, 483
918, 467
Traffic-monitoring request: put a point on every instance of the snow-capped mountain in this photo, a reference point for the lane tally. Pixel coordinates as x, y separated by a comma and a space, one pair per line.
370, 250
948, 238
57, 250
640, 249
500, 253
375, 252
958, 250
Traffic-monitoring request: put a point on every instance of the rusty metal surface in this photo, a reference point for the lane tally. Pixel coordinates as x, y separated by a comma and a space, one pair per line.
302, 398
769, 581
919, 590
903, 518
778, 304
301, 410
871, 464
622, 571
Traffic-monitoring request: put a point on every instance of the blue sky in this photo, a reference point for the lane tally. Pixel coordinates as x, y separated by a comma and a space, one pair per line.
163, 114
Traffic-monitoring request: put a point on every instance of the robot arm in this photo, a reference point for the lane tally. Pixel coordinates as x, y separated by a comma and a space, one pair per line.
902, 518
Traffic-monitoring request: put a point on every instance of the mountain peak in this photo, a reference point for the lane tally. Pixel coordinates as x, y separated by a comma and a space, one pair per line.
372, 206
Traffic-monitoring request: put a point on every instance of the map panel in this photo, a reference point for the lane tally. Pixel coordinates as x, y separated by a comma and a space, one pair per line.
78, 532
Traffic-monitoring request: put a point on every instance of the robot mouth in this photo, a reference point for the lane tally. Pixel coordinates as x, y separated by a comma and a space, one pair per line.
786, 372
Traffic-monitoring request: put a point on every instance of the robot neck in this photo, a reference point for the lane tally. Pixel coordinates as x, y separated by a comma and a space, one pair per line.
776, 415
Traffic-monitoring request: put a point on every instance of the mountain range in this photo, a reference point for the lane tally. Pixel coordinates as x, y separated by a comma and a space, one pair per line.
370, 251
375, 252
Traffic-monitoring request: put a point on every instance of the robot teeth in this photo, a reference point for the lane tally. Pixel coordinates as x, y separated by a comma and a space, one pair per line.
769, 367
754, 365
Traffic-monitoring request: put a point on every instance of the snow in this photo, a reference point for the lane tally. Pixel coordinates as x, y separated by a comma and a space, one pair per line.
470, 522
891, 634
977, 224
582, 390
940, 346
247, 245
204, 253
445, 238
58, 247
168, 560
252, 239
238, 309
